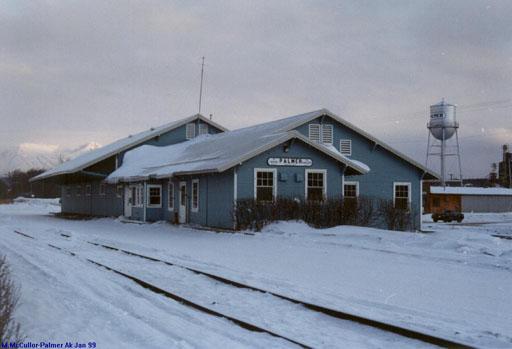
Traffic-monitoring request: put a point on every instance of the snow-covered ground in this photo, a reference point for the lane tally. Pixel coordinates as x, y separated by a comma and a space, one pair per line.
455, 281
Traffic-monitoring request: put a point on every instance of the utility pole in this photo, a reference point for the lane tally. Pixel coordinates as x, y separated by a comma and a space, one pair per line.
201, 86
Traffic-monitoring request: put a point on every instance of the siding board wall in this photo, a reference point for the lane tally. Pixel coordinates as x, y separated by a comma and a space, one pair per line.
385, 167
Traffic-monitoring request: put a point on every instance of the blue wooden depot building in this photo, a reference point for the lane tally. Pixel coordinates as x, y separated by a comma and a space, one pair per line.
194, 170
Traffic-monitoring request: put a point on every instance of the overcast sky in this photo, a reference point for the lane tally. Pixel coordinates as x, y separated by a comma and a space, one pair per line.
78, 71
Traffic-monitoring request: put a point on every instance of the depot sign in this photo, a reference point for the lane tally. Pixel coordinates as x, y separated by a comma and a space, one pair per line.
298, 162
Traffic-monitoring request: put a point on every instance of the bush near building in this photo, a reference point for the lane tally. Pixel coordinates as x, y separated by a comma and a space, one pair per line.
363, 211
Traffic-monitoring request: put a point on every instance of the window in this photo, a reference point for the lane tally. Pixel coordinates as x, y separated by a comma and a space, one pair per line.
68, 190
170, 197
203, 129
436, 202
264, 184
191, 131
315, 185
88, 190
154, 195
195, 195
320, 133
346, 147
314, 132
119, 191
402, 195
78, 190
102, 189
351, 189
136, 195
327, 134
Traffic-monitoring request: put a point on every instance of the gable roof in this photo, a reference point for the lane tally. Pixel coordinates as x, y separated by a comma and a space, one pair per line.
90, 158
213, 153
292, 122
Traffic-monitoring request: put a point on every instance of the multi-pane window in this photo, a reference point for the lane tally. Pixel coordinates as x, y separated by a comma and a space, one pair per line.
195, 195
68, 190
103, 189
190, 131
402, 195
326, 133
346, 147
315, 185
154, 195
265, 182
78, 190
88, 190
351, 189
203, 129
170, 197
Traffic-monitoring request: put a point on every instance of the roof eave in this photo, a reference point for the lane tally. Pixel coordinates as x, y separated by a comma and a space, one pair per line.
178, 123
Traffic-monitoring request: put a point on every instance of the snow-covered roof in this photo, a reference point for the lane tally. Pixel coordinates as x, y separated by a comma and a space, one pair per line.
90, 158
213, 153
470, 191
294, 121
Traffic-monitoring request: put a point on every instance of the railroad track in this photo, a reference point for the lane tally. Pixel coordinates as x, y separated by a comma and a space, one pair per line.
401, 331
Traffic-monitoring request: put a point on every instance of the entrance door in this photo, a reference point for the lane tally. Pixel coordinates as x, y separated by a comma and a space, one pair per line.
128, 200
183, 203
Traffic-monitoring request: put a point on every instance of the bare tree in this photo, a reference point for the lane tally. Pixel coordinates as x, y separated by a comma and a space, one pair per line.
9, 297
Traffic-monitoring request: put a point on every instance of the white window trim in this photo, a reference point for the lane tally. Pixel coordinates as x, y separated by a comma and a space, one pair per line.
409, 194
306, 172
192, 208
319, 132
148, 188
104, 191
324, 126
350, 142
356, 183
169, 198
274, 176
190, 126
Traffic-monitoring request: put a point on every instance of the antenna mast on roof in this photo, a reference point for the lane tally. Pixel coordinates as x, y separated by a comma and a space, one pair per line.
201, 86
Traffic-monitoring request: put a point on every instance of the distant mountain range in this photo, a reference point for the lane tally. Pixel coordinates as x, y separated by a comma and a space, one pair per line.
39, 156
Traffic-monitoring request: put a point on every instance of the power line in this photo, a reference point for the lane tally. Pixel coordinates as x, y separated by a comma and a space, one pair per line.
469, 108
483, 134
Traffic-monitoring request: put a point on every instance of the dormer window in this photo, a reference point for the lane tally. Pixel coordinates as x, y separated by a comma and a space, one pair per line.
190, 131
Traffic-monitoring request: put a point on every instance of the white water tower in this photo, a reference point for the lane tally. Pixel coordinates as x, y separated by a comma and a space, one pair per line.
442, 126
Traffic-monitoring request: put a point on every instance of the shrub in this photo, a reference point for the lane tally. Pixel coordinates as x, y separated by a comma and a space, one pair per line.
396, 218
254, 215
9, 296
